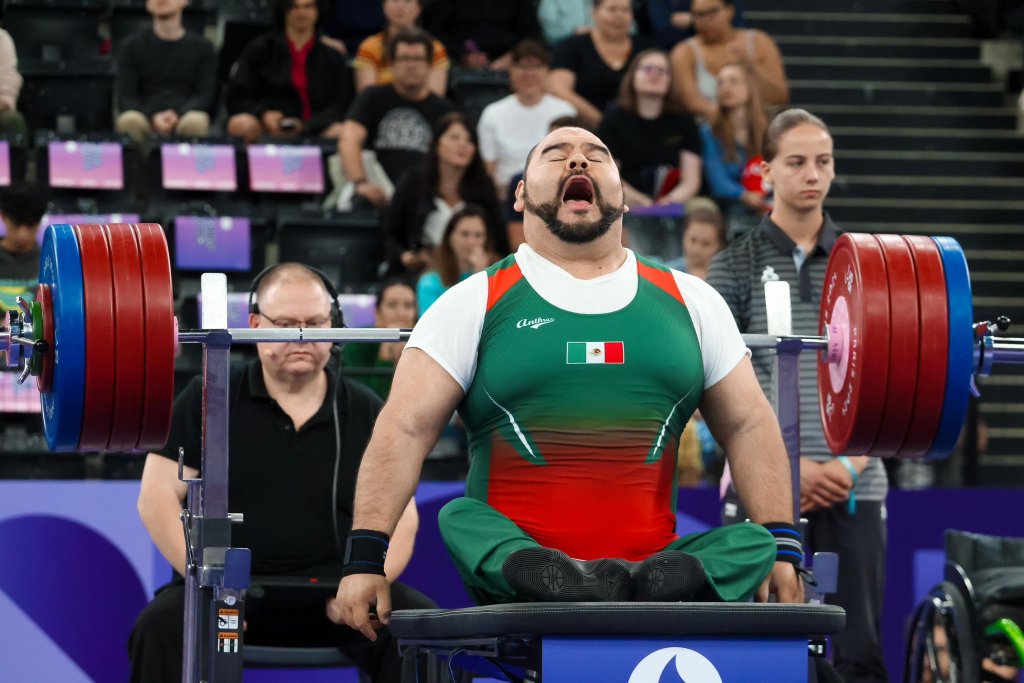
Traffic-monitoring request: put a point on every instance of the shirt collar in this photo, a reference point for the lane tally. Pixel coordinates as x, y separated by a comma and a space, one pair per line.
826, 239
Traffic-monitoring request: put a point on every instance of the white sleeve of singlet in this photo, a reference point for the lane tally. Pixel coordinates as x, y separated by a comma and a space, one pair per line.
449, 331
721, 344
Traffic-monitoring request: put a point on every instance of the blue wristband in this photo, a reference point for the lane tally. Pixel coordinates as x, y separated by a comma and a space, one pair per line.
788, 542
851, 504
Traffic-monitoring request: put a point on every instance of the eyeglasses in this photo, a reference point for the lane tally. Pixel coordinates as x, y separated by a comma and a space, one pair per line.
652, 70
707, 14
290, 323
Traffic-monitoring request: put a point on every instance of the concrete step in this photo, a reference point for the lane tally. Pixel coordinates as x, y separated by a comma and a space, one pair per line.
901, 93
934, 210
923, 187
887, 69
826, 45
874, 24
992, 118
924, 163
927, 139
855, 6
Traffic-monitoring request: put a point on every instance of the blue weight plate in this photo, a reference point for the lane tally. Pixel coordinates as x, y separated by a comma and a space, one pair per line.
960, 367
60, 267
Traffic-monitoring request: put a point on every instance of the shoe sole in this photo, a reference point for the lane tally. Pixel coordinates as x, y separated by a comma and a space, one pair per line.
548, 575
668, 576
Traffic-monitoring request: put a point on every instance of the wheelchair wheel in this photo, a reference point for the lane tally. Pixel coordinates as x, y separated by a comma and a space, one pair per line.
942, 647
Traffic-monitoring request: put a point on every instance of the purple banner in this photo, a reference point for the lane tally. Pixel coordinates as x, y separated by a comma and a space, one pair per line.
285, 168
212, 243
5, 163
198, 167
86, 165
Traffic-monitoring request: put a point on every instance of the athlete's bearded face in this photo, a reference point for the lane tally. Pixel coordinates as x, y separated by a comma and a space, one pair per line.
572, 185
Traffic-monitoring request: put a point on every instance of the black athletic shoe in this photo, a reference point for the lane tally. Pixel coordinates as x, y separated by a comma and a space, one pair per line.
547, 575
668, 576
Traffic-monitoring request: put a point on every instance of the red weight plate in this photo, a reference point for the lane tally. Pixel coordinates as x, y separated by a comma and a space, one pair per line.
100, 351
44, 382
934, 346
903, 346
129, 309
855, 301
161, 337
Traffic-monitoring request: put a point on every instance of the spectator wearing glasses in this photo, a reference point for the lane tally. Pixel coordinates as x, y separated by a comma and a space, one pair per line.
697, 61
509, 127
586, 69
287, 82
653, 140
372, 63
394, 121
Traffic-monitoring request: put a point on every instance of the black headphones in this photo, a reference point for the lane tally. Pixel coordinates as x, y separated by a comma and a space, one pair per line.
337, 317
337, 320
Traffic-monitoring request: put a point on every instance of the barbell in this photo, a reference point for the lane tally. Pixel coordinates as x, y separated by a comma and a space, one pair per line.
898, 350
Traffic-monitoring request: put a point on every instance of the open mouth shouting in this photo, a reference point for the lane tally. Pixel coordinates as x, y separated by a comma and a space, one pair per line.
578, 194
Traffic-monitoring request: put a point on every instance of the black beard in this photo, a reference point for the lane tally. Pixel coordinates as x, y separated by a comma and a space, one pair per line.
577, 233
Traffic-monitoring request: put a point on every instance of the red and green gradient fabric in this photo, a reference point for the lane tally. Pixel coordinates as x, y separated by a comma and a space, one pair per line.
575, 440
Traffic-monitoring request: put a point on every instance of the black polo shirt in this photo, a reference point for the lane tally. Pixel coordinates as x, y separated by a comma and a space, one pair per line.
280, 478
739, 272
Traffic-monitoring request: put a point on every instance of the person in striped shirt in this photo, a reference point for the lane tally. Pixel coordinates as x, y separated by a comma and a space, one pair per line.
574, 365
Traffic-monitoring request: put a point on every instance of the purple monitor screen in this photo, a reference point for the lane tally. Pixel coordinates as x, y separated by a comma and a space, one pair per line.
5, 163
18, 398
359, 309
215, 243
198, 167
86, 165
78, 219
285, 168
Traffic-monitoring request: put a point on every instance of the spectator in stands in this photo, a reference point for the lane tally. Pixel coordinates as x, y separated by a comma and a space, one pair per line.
350, 21
480, 34
509, 127
732, 148
466, 248
288, 83
393, 121
653, 140
166, 78
586, 69
697, 61
560, 19
21, 209
372, 64
396, 307
451, 175
704, 235
12, 123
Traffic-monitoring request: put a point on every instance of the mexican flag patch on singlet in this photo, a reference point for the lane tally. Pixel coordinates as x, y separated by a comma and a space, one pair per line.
606, 353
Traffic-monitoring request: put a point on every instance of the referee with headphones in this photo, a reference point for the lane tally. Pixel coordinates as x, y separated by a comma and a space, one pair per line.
297, 433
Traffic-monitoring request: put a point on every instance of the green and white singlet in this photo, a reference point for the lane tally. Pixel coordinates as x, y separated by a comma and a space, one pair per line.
577, 392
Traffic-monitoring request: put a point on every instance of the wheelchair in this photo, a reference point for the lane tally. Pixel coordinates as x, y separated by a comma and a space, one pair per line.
968, 628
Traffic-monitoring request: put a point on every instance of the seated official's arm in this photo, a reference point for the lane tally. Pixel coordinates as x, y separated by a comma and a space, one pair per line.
422, 399
402, 542
744, 424
159, 505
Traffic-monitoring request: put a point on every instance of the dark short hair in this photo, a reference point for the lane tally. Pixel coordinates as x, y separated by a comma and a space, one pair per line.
281, 9
412, 36
784, 122
23, 204
396, 281
530, 49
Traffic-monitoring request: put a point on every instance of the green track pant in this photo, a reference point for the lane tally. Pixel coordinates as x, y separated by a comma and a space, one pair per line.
736, 558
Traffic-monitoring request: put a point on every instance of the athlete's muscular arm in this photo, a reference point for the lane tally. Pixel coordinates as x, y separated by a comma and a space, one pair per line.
744, 423
422, 400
